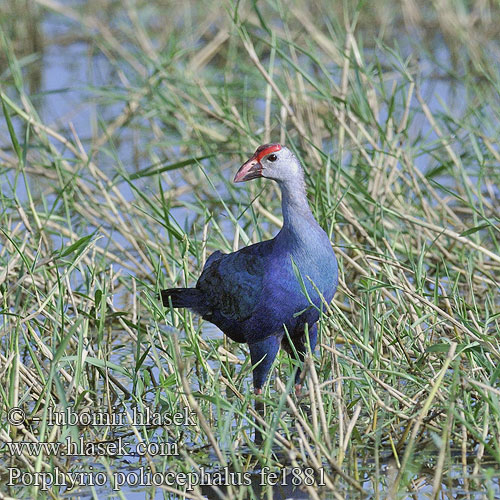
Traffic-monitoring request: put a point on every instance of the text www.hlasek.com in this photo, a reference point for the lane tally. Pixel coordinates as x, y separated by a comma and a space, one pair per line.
85, 448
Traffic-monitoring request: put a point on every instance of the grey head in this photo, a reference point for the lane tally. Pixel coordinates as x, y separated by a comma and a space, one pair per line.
272, 161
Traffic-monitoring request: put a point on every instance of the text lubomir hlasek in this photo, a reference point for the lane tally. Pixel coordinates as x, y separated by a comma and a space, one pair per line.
135, 417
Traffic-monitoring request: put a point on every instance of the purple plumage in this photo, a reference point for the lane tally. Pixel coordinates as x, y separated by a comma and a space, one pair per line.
253, 294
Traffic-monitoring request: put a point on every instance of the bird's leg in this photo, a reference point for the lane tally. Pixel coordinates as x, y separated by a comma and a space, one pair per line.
298, 381
260, 410
313, 336
262, 355
300, 349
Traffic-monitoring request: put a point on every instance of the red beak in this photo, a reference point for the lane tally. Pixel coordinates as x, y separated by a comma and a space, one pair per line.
251, 169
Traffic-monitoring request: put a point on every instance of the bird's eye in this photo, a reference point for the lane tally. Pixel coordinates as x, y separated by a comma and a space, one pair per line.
272, 157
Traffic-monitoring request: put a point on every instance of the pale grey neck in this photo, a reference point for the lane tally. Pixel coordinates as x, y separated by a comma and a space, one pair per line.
294, 203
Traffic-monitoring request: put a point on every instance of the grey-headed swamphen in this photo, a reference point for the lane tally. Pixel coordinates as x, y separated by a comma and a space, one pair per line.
253, 294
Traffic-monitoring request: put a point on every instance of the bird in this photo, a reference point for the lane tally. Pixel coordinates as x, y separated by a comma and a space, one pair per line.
268, 294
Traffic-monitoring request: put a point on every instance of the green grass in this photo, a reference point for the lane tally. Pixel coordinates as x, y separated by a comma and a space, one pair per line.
394, 112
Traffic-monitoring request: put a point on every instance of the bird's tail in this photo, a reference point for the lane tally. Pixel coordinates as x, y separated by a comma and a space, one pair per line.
182, 297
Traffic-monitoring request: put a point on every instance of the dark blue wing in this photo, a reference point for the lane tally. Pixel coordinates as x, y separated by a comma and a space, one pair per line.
232, 283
